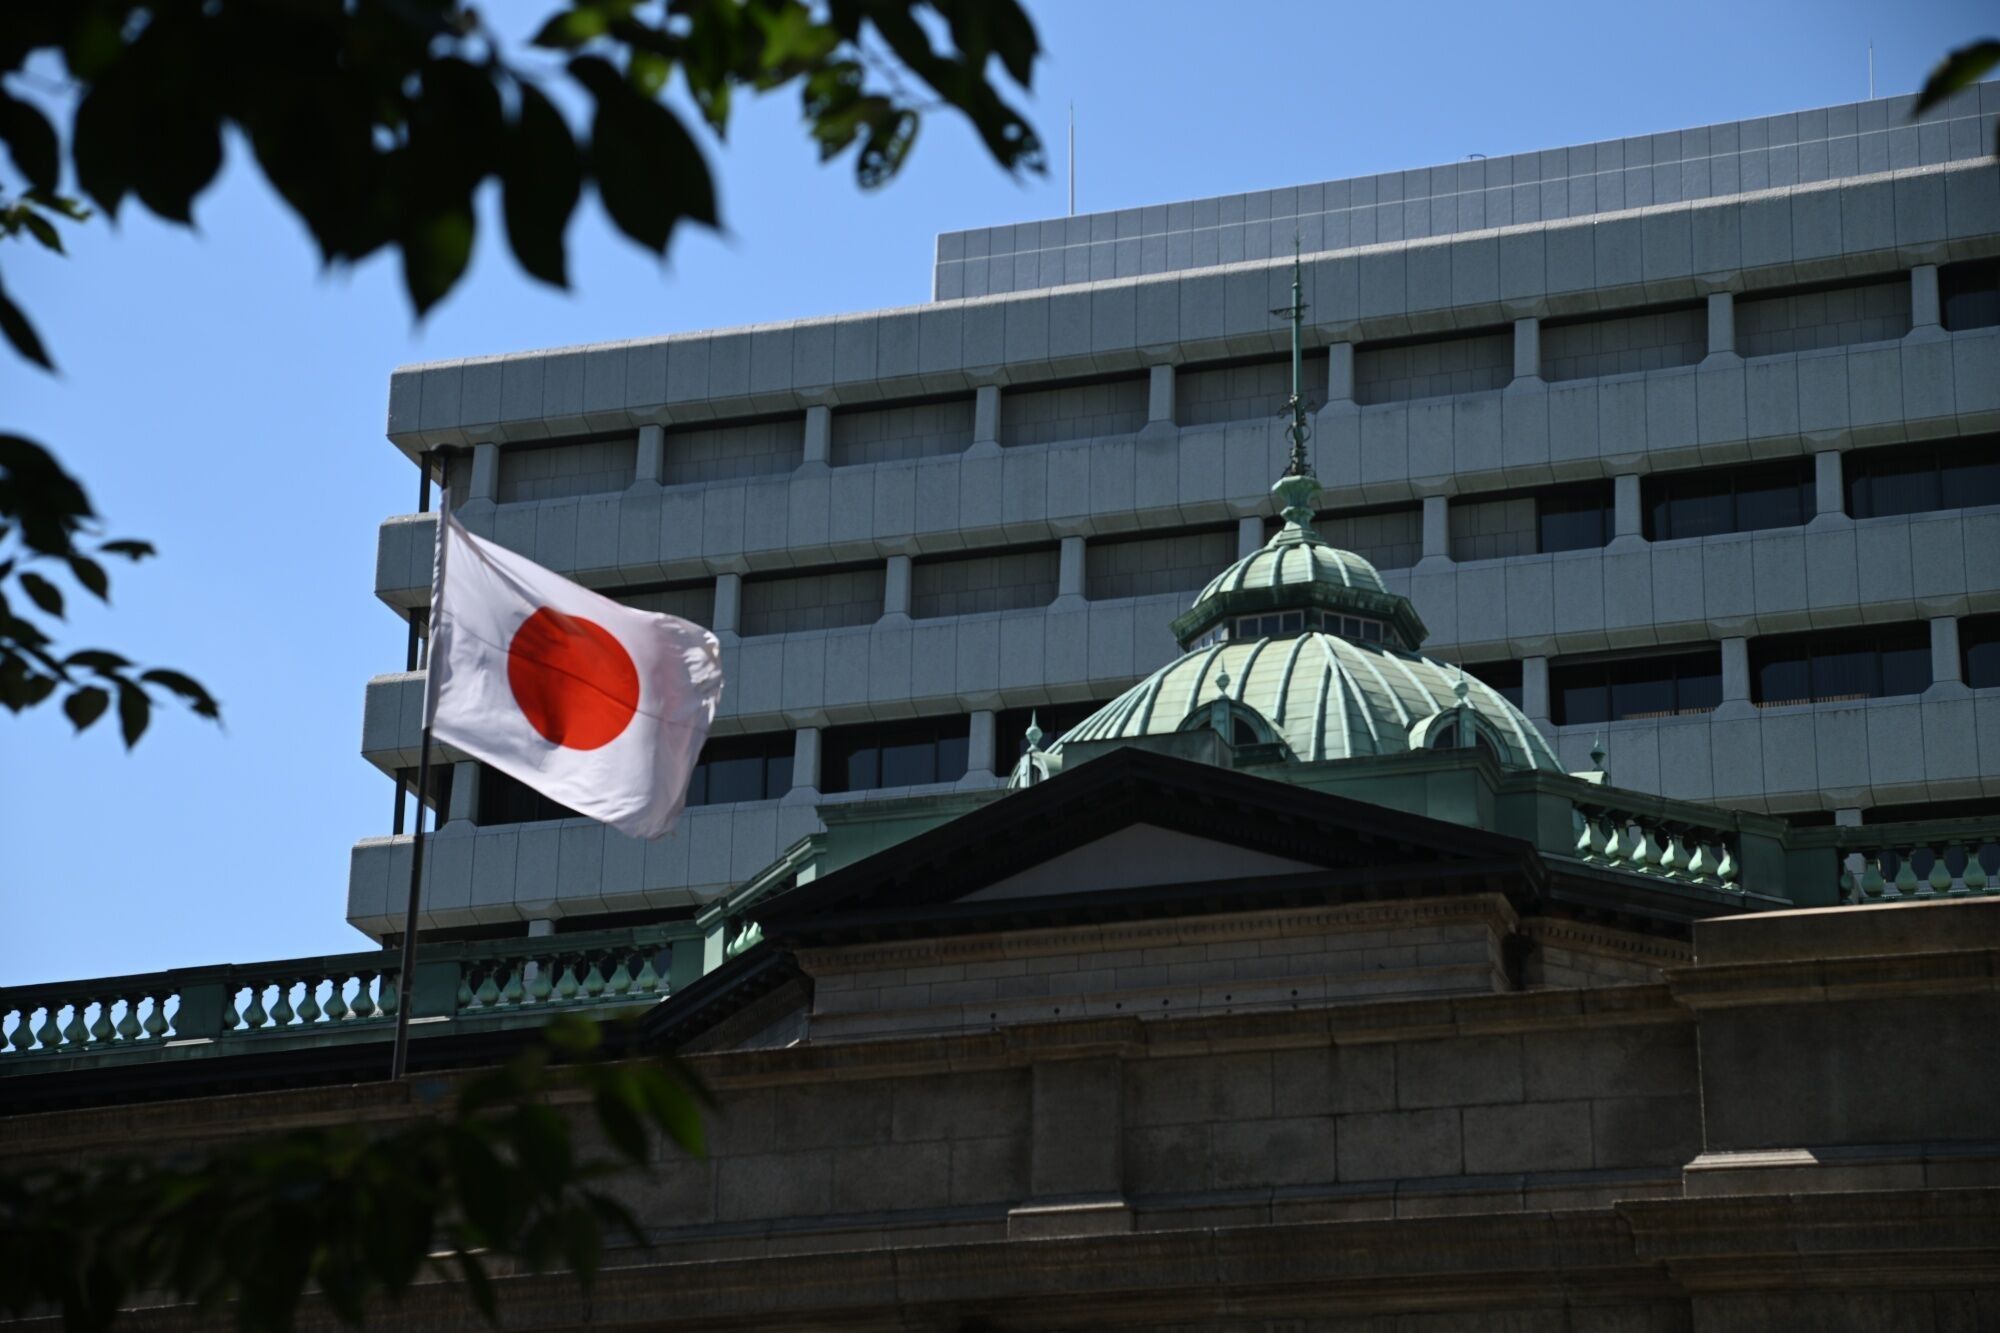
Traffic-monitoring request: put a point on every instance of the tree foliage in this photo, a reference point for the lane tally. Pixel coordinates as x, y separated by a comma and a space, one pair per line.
376, 123
353, 1213
1961, 69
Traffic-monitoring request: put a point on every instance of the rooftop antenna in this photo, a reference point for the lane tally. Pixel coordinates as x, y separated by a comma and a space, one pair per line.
1073, 145
1871, 71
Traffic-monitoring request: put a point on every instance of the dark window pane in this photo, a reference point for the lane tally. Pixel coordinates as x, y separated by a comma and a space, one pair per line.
698, 785
1906, 669
777, 776
1642, 689
1575, 519
738, 779
1699, 686
906, 763
1845, 672
1967, 482
951, 758
1767, 501
1784, 678
854, 770
1579, 696
1703, 513
1979, 640
1908, 487
1969, 294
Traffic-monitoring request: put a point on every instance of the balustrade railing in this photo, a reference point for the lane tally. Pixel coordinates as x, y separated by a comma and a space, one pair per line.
1644, 843
351, 995
1921, 867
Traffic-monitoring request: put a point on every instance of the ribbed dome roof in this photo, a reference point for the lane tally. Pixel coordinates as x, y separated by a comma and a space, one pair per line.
1296, 562
1324, 696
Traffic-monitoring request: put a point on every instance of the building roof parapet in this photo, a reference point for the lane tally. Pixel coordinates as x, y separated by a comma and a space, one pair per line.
1779, 237
1715, 161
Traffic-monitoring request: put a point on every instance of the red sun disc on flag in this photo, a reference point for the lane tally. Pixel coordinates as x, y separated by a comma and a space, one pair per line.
572, 679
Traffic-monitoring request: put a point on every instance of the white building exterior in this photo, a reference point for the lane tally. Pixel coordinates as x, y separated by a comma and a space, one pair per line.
1532, 377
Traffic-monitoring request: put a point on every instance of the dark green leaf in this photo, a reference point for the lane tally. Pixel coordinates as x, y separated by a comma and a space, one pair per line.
96, 659
649, 173
478, 1286
541, 177
31, 141
135, 710
573, 28
618, 1114
190, 689
43, 593
85, 706
91, 575
572, 1034
436, 251
134, 551
21, 333
1961, 69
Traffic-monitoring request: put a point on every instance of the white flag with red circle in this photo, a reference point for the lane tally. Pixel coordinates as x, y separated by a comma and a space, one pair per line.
595, 705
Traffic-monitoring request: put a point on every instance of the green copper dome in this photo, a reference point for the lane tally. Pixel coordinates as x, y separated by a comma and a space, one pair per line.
1324, 697
1299, 649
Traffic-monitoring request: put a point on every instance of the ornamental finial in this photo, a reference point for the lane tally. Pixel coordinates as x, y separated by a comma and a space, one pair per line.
1298, 489
1034, 734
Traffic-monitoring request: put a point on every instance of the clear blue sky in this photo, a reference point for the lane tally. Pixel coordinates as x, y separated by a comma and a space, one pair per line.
224, 398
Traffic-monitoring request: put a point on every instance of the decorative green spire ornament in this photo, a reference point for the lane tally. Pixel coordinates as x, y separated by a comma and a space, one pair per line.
1297, 490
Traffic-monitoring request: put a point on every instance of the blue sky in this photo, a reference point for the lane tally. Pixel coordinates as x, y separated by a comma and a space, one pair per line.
225, 398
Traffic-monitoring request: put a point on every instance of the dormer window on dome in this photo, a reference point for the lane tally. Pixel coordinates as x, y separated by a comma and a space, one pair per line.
1284, 624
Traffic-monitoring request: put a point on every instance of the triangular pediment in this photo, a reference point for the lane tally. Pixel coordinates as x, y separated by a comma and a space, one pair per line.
1141, 834
1138, 856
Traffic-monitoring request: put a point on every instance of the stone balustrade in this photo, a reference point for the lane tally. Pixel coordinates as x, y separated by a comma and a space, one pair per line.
345, 997
1957, 858
1642, 843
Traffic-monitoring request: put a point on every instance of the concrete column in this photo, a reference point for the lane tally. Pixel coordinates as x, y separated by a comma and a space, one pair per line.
1924, 312
728, 603
1735, 674
1528, 348
819, 433
541, 928
805, 763
485, 471
986, 415
1340, 373
1535, 687
465, 780
1721, 324
1249, 535
979, 749
1847, 817
1829, 486
896, 587
1160, 395
1947, 666
1627, 515
1070, 572
1437, 527
652, 455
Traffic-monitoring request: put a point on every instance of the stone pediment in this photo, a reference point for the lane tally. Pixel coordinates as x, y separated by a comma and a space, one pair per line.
1138, 856
1136, 834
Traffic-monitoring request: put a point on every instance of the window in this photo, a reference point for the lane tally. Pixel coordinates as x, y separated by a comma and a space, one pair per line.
502, 800
1716, 500
1979, 650
743, 768
901, 754
437, 799
1574, 518
1969, 294
1869, 663
1917, 478
1283, 624
1010, 729
1622, 689
1503, 678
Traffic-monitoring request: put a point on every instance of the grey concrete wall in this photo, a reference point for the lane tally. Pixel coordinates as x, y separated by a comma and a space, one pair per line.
1862, 312
970, 585
552, 472
1434, 368
1249, 392
698, 454
788, 604
1073, 412
918, 430
1624, 344
1771, 152
1180, 563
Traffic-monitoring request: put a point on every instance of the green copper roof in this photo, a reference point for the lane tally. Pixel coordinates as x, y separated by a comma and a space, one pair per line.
1296, 562
1324, 696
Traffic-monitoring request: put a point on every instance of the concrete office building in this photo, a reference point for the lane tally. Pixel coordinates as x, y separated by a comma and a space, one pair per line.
1685, 442
1285, 974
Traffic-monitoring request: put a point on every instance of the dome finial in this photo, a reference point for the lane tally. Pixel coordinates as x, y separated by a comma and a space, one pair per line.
1298, 489
1034, 733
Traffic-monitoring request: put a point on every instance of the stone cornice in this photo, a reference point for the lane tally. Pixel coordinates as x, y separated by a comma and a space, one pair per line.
1816, 981
1608, 941
1490, 909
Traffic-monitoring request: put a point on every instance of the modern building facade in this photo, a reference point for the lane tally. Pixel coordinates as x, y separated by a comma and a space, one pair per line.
1471, 882
1684, 443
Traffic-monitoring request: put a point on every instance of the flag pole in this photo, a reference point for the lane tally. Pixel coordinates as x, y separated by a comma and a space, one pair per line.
399, 1060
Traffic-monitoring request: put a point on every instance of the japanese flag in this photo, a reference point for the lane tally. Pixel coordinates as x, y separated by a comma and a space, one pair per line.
593, 704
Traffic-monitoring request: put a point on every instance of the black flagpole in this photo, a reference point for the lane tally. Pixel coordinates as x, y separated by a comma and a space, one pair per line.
399, 1061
